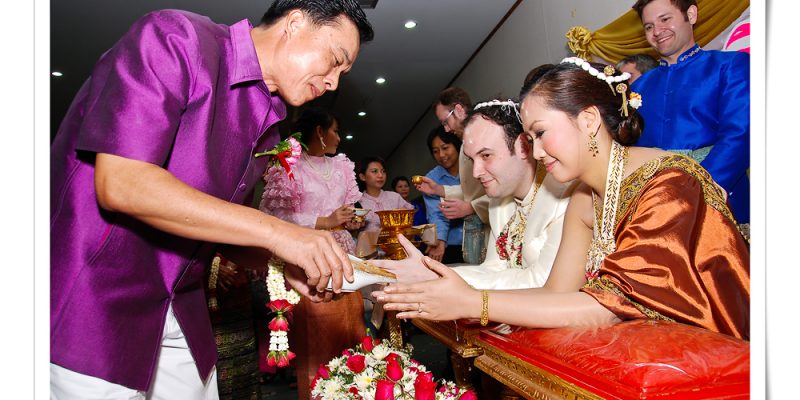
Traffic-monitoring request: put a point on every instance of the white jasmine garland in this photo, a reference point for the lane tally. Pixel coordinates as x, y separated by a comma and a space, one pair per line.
281, 301
276, 285
594, 72
278, 341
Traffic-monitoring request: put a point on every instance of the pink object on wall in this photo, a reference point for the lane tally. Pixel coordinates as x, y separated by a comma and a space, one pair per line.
739, 39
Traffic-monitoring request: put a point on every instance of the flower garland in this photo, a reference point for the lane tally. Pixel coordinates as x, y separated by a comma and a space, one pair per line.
281, 303
514, 230
607, 75
376, 370
285, 153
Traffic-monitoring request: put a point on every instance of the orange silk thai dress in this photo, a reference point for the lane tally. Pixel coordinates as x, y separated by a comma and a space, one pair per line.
679, 255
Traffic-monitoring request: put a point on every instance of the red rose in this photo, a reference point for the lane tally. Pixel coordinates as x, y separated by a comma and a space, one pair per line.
280, 305
391, 357
354, 391
324, 372
426, 377
367, 343
424, 387
385, 390
356, 363
393, 370
347, 353
279, 323
283, 359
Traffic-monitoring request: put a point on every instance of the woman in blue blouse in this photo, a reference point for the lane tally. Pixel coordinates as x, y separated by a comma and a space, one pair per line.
444, 147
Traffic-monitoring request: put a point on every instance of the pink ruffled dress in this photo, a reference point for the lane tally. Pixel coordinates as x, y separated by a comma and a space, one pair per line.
320, 186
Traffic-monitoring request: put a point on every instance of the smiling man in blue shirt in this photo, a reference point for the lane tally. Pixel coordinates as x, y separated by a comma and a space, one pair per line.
697, 102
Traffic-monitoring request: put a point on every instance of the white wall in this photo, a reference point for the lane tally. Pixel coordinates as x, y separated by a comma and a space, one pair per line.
533, 35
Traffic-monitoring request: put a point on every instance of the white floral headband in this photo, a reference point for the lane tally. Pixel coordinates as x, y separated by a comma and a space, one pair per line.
504, 105
608, 76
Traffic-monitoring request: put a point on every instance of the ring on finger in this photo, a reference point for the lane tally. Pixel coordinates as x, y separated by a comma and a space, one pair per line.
419, 308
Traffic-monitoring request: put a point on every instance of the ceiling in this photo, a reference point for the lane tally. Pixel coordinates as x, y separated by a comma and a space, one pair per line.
416, 63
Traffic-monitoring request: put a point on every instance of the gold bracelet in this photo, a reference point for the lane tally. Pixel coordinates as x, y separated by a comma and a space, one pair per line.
484, 307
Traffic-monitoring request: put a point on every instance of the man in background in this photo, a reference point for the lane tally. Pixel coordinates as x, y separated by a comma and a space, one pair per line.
637, 65
697, 102
467, 200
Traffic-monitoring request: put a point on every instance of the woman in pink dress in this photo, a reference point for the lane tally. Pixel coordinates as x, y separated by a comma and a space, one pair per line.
373, 175
321, 195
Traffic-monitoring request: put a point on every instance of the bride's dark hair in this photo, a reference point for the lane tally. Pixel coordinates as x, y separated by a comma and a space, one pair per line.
570, 89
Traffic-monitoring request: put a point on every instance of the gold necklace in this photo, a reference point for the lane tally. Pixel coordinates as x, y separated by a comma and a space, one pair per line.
603, 242
326, 174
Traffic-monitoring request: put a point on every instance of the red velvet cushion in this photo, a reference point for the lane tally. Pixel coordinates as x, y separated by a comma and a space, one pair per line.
637, 359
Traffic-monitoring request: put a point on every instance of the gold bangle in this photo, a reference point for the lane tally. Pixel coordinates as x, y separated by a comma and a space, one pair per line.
212, 279
484, 307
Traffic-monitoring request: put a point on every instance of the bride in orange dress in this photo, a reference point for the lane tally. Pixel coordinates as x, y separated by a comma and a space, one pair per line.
664, 243
321, 195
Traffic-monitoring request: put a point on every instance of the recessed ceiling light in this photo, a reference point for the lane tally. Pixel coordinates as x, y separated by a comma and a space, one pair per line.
381, 80
411, 24
349, 137
56, 73
361, 113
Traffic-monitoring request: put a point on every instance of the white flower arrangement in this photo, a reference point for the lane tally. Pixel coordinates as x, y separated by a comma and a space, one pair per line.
374, 370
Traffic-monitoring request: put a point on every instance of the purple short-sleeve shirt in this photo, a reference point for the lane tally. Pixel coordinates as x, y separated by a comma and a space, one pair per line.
184, 93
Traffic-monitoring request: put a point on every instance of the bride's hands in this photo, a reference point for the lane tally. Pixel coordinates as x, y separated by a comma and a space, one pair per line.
410, 269
444, 299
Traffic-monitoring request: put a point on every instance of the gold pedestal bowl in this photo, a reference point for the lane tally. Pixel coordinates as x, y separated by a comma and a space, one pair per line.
394, 222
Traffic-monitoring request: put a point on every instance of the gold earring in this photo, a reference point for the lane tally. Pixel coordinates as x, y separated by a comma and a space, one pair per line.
321, 141
593, 142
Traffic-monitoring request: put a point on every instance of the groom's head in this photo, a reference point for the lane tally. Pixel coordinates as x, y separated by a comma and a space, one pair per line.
501, 153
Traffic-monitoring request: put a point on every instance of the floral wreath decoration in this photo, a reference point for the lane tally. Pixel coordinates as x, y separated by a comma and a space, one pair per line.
286, 153
607, 75
374, 369
281, 300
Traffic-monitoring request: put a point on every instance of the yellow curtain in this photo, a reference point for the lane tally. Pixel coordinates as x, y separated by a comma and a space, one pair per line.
625, 35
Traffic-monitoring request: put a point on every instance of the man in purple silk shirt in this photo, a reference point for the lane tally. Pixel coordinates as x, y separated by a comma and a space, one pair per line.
150, 168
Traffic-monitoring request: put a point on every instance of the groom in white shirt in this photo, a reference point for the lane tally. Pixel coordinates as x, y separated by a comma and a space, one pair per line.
526, 208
